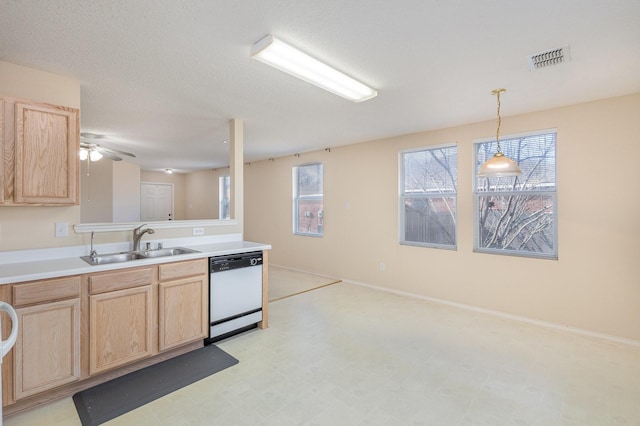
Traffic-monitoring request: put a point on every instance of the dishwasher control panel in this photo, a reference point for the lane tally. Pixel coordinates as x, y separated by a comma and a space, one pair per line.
234, 261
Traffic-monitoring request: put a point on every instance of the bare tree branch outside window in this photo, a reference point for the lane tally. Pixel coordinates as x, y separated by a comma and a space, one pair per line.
517, 215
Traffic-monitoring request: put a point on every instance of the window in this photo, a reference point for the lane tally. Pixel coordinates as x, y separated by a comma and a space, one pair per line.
517, 215
308, 200
428, 191
224, 197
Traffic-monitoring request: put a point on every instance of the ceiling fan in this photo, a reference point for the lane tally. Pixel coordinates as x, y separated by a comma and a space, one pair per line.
89, 149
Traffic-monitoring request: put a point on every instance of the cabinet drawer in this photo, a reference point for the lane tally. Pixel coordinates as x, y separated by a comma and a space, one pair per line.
46, 291
120, 280
188, 268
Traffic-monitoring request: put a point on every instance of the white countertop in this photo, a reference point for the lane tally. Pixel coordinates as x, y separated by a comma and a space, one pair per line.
52, 268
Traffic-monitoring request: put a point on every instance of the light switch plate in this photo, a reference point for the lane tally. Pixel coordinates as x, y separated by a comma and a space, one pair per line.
62, 229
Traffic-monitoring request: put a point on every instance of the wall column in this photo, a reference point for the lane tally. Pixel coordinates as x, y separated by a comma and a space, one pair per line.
236, 170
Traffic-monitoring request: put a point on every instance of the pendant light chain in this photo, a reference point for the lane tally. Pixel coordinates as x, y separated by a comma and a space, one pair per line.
499, 165
497, 93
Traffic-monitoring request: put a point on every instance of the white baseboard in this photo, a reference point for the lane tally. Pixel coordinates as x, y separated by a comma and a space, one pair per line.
539, 323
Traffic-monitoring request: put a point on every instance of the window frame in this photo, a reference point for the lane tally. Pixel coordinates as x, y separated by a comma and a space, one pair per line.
224, 182
297, 198
402, 195
553, 194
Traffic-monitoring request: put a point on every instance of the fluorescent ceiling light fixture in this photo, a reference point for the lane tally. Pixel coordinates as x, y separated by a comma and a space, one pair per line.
280, 55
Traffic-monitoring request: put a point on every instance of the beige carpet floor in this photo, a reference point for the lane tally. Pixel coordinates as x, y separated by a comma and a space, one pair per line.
285, 283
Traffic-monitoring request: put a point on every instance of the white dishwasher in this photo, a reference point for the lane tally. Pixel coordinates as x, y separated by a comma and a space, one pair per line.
235, 294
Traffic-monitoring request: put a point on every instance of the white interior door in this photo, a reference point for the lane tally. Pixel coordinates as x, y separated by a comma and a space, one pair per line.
156, 202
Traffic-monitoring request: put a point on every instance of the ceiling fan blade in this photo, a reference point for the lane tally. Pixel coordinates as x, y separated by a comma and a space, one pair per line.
114, 151
109, 154
88, 140
113, 154
91, 136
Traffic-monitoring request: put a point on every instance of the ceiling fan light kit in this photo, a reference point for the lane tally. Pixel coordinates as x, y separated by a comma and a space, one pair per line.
284, 57
93, 151
95, 155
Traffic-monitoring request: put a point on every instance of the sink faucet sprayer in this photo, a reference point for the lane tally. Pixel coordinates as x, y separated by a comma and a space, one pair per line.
137, 236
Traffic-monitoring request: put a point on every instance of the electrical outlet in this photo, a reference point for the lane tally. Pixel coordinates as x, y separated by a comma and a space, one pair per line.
62, 229
382, 266
198, 231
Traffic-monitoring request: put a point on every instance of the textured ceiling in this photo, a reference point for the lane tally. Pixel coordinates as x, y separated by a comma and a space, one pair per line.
162, 78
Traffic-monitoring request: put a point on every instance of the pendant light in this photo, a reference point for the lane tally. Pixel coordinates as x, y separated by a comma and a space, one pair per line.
499, 165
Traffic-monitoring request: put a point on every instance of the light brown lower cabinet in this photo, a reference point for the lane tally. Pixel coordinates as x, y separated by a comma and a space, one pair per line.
120, 328
47, 351
183, 313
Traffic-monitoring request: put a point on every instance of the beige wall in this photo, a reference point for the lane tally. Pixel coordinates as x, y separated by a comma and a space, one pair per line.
96, 191
594, 284
126, 190
35, 85
109, 191
203, 193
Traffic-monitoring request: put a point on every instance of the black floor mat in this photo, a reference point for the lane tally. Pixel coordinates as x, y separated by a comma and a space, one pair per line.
116, 397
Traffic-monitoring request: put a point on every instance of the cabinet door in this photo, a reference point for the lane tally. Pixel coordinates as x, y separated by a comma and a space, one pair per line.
120, 328
183, 314
47, 351
46, 154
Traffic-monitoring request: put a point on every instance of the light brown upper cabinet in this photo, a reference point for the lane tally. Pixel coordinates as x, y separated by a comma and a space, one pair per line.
40, 144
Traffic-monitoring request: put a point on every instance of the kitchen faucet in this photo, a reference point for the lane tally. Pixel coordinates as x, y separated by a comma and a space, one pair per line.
137, 235
93, 254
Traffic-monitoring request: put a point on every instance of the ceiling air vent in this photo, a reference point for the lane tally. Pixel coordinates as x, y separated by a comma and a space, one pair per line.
549, 58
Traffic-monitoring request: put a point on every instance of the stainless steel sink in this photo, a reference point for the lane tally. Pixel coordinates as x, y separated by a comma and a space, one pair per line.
101, 259
127, 256
168, 252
